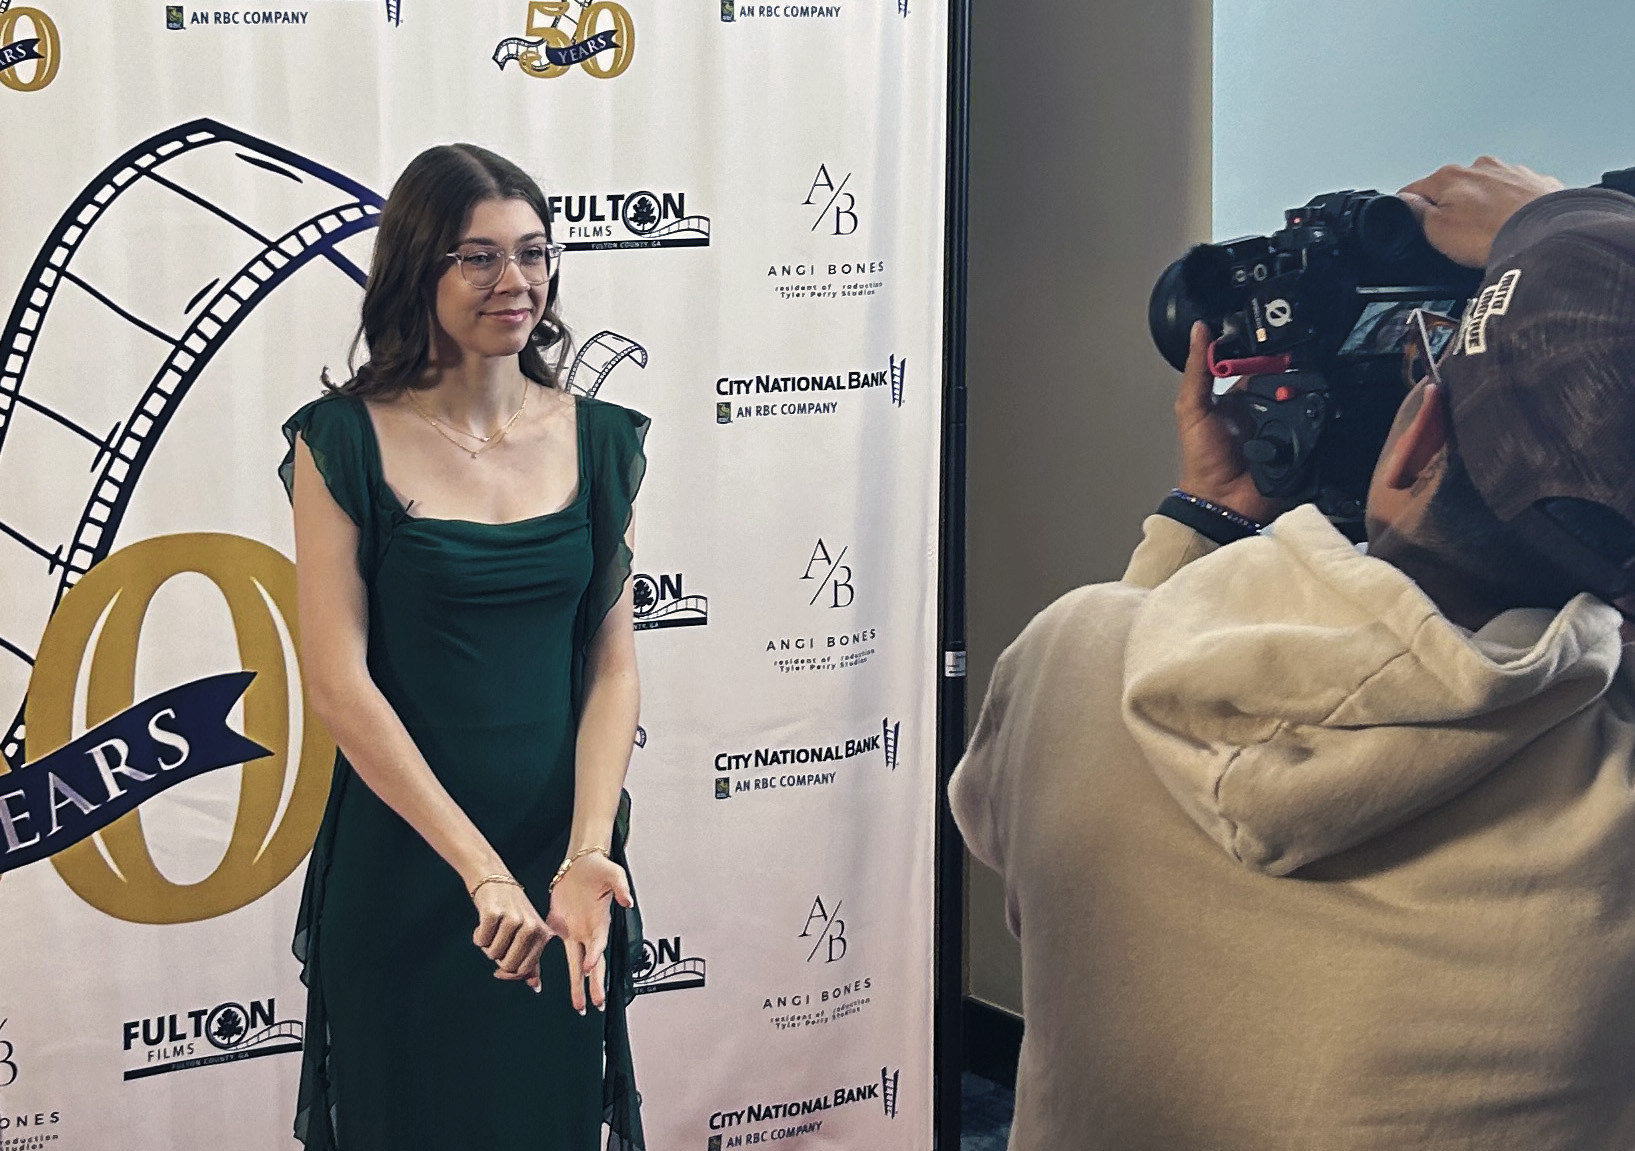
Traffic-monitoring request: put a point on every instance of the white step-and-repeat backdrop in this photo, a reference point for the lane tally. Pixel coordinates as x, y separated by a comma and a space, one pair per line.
753, 200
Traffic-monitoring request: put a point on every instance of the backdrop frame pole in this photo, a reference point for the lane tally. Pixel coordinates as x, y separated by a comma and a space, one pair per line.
948, 1050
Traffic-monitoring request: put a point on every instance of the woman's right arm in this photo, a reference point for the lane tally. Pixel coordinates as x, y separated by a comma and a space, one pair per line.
333, 614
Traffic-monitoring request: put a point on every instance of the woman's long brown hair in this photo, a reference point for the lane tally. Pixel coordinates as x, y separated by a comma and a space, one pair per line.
420, 224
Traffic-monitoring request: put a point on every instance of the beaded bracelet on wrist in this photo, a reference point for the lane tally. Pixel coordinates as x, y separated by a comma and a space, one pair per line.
1208, 519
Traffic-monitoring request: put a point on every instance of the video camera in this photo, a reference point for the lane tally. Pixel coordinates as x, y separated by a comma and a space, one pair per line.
1316, 316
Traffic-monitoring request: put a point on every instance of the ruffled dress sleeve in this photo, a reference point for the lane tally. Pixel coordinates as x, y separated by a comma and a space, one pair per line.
336, 430
614, 464
342, 445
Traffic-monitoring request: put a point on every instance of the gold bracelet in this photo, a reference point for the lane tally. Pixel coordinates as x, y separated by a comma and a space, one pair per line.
509, 881
570, 861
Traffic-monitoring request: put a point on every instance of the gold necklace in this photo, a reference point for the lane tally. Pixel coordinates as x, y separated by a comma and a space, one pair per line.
489, 441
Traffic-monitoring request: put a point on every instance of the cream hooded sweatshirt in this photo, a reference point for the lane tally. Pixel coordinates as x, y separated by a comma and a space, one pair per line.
1297, 863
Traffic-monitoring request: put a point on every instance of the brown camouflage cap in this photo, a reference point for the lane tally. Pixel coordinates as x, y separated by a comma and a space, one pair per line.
1541, 384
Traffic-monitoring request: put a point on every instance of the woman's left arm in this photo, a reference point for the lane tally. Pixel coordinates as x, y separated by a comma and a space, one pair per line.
580, 909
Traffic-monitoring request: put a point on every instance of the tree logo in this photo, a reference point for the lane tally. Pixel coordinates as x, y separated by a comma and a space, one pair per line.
225, 1026
641, 213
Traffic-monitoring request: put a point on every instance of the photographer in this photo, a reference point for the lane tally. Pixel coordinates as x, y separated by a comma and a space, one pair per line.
1315, 848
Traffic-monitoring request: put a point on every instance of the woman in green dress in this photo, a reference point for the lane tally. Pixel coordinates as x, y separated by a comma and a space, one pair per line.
462, 536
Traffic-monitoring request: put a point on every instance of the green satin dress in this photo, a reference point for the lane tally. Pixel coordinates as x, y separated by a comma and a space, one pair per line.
477, 638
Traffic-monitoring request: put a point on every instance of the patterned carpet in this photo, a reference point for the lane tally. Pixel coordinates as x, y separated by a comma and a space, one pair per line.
985, 1111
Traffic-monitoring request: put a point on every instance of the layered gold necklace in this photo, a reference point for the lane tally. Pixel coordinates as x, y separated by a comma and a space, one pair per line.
489, 441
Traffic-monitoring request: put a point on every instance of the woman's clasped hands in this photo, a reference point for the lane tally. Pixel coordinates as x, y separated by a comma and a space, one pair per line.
512, 933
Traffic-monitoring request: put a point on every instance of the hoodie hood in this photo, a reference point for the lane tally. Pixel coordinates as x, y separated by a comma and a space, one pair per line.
1298, 697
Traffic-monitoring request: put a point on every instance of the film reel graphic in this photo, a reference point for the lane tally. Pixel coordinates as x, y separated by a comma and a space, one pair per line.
171, 166
225, 177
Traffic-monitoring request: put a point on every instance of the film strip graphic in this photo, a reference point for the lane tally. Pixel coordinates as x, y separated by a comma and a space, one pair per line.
888, 1091
599, 356
290, 1029
889, 734
696, 226
168, 169
899, 372
394, 12
689, 610
679, 976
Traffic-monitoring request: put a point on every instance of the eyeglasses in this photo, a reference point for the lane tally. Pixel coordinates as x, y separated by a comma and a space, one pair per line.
483, 267
1430, 336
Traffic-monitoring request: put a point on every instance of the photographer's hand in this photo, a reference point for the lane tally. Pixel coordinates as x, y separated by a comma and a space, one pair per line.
1462, 209
1212, 463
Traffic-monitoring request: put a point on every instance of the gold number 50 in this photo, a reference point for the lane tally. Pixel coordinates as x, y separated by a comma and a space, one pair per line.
258, 584
542, 17
50, 49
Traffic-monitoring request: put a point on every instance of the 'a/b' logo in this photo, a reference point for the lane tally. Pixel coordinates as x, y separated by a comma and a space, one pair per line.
832, 575
596, 35
839, 206
30, 49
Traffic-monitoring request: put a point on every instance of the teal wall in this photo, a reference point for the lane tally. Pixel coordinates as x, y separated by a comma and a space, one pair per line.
1315, 96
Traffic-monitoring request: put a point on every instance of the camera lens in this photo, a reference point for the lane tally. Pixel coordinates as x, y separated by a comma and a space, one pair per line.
1171, 314
1215, 275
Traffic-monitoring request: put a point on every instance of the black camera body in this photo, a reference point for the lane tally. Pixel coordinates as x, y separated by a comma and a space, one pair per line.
1315, 316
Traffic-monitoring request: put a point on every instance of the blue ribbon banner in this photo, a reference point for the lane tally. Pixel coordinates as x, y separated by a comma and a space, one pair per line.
576, 53
79, 789
581, 50
19, 51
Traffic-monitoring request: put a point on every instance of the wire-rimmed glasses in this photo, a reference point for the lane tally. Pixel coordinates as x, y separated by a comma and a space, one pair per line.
483, 267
